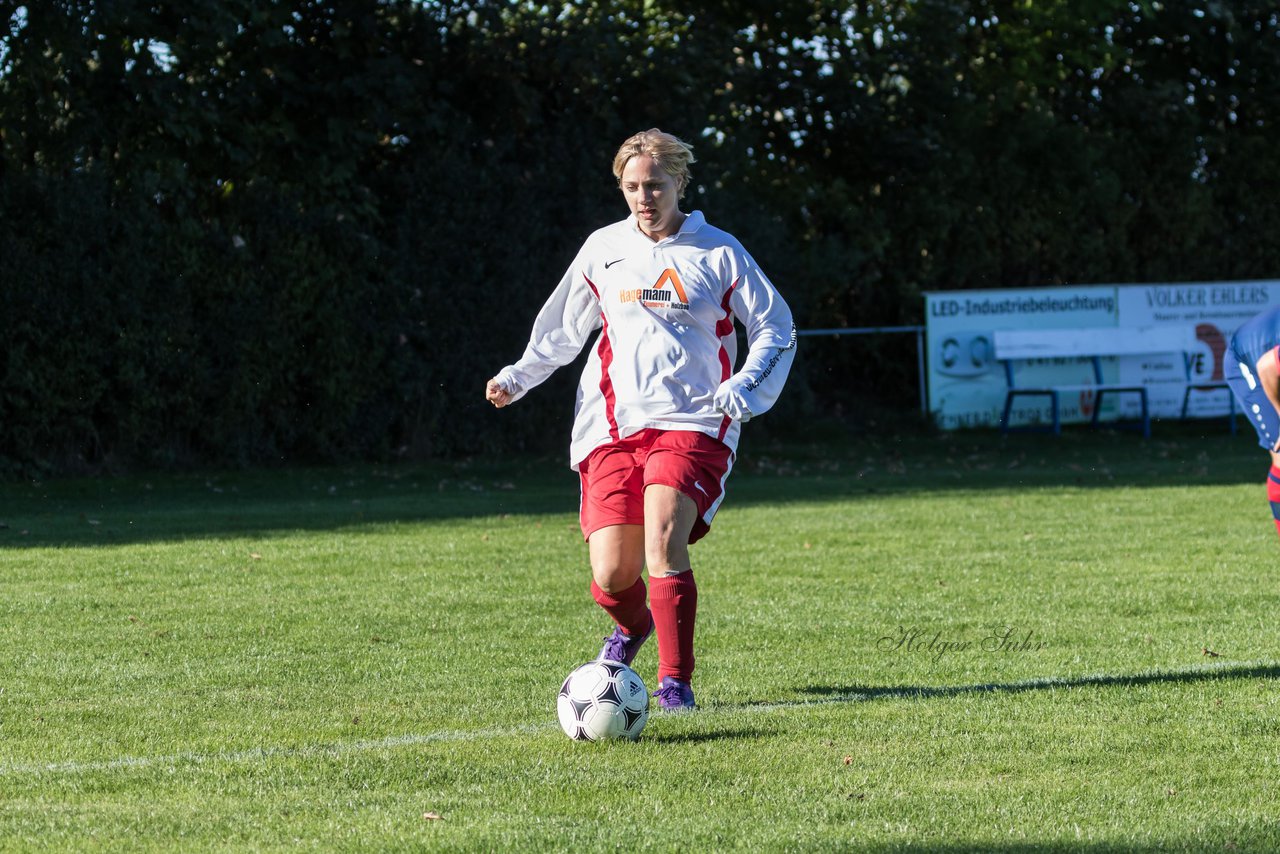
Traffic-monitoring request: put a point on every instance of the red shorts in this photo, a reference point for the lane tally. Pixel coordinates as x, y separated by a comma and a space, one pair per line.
614, 477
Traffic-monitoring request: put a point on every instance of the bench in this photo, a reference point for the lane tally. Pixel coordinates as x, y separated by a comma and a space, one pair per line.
1013, 346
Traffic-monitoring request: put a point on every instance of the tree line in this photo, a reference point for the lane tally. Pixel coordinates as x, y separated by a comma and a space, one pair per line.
245, 231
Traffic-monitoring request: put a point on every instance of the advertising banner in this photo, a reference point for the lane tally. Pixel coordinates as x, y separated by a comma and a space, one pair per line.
967, 385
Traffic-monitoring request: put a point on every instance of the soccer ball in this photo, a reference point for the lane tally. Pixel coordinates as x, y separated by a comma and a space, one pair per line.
603, 699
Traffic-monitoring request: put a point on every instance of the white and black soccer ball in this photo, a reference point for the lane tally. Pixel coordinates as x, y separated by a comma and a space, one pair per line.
601, 700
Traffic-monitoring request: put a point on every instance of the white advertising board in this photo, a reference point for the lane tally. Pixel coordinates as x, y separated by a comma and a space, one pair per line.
967, 386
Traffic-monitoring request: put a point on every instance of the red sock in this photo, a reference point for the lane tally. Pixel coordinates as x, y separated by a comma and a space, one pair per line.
627, 607
1273, 494
675, 604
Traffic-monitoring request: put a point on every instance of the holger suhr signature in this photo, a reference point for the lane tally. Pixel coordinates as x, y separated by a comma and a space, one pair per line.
996, 639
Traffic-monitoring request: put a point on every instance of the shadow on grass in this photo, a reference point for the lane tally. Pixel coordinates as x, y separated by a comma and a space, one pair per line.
1223, 839
705, 736
862, 693
810, 469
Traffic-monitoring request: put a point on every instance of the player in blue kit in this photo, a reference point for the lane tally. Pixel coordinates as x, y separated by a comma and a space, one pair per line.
1253, 372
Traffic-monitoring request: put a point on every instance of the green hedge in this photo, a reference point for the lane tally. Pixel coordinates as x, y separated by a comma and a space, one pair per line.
304, 232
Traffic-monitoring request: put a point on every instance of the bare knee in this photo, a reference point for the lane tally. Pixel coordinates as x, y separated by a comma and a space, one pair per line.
615, 577
668, 518
666, 549
617, 557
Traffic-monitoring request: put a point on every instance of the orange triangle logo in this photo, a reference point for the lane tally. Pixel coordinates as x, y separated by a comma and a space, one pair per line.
670, 275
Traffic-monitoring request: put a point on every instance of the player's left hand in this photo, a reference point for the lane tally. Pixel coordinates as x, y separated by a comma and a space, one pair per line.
731, 403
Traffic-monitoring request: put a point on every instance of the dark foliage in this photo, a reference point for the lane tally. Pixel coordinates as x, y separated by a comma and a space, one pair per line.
242, 231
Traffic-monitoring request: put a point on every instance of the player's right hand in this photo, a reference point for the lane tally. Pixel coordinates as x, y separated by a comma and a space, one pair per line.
496, 394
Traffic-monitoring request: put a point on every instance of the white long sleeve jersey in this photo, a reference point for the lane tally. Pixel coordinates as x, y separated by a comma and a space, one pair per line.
666, 350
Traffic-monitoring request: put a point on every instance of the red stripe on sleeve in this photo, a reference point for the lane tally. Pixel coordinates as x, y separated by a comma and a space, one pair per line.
605, 350
724, 328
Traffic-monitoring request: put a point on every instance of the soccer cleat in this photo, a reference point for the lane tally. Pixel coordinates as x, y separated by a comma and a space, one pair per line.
620, 646
674, 695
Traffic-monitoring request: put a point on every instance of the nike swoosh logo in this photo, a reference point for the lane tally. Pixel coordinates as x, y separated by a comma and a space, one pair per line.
609, 264
698, 487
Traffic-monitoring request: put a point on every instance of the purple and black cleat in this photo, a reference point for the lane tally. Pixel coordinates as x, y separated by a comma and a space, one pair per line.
620, 646
674, 695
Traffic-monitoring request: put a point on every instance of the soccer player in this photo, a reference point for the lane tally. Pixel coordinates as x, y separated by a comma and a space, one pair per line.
659, 405
1252, 371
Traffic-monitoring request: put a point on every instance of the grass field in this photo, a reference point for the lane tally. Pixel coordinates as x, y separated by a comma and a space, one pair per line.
933, 643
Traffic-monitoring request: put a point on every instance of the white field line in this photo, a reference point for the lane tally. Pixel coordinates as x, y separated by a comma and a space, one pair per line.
260, 754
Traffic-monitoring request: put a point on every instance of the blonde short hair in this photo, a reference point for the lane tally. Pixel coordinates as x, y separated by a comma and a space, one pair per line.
672, 155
